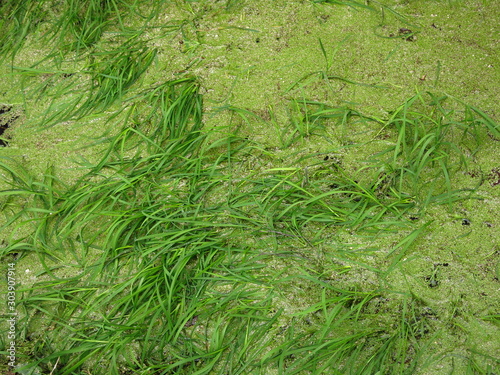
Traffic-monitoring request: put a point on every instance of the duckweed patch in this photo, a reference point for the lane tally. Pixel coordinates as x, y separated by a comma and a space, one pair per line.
236, 187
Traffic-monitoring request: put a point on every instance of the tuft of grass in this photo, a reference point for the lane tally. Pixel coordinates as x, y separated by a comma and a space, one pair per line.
19, 19
74, 25
432, 142
170, 249
110, 77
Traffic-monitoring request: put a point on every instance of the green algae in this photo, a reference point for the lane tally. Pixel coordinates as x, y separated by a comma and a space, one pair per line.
273, 61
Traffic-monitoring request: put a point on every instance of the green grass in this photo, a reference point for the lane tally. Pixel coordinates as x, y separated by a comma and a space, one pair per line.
176, 246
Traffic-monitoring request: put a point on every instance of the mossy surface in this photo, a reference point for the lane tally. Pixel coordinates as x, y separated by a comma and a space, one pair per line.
312, 227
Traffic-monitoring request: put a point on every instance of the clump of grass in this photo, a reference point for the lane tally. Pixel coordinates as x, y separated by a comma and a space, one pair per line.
85, 21
341, 334
71, 94
307, 118
74, 25
110, 77
431, 144
152, 224
18, 20
114, 73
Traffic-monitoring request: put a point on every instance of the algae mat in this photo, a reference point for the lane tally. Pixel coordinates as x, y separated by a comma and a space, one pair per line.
249, 187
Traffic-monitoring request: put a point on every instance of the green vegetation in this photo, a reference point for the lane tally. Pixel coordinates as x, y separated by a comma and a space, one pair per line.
173, 205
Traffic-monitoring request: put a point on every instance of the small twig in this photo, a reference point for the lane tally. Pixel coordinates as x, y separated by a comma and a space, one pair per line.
55, 366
